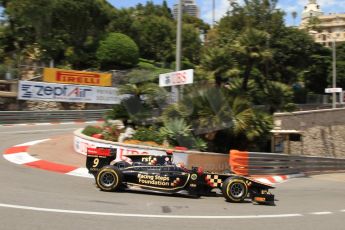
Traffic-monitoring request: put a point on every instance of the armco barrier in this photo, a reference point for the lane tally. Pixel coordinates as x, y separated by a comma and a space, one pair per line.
215, 162
254, 163
15, 117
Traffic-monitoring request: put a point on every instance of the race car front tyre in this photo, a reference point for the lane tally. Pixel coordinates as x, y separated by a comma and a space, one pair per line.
234, 190
109, 178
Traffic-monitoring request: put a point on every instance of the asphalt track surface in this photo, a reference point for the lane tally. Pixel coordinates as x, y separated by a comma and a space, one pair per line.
36, 199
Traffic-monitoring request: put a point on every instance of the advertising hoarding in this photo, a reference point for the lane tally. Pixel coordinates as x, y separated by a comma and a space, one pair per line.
182, 77
333, 90
30, 90
54, 75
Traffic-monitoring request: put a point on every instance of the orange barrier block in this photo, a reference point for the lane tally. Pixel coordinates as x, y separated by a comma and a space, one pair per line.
238, 162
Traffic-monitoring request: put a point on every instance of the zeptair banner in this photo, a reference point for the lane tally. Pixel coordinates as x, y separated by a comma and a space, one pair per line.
76, 77
41, 91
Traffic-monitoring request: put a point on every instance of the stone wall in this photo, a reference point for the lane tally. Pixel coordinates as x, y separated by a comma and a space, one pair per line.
322, 132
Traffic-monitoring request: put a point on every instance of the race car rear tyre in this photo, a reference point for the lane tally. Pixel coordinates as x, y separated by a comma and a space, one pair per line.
109, 178
234, 190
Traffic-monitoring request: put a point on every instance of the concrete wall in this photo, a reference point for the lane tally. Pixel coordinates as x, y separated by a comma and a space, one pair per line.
322, 132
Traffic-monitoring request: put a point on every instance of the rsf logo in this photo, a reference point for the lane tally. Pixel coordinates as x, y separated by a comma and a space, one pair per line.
46, 91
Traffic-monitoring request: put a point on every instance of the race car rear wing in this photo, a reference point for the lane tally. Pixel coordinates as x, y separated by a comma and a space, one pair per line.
96, 158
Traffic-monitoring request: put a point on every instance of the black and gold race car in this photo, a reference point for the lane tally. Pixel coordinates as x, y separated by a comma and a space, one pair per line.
159, 173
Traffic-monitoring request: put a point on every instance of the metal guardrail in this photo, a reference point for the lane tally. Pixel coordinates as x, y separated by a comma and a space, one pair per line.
17, 117
253, 163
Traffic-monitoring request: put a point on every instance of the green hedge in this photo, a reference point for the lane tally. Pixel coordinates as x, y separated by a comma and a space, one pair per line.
117, 51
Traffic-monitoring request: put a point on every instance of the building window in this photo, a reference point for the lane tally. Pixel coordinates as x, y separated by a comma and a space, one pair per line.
324, 37
295, 137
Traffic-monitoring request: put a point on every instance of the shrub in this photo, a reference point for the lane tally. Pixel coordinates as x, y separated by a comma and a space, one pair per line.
175, 129
179, 133
91, 130
118, 51
148, 134
112, 133
118, 112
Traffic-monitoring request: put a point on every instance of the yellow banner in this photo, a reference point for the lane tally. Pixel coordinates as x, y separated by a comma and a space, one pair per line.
76, 77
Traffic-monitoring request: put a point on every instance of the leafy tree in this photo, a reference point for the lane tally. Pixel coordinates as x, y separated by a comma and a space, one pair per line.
191, 37
313, 24
271, 52
55, 27
122, 21
315, 76
258, 14
196, 22
155, 36
291, 57
153, 28
118, 51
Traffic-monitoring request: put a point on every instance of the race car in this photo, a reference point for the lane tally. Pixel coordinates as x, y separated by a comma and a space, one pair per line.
159, 173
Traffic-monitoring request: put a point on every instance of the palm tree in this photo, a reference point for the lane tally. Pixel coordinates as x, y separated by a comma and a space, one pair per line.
251, 49
220, 63
294, 16
278, 97
140, 90
144, 97
210, 110
221, 116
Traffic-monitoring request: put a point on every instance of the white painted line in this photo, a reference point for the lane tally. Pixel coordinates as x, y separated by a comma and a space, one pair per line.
144, 215
20, 158
32, 142
38, 130
68, 123
321, 213
42, 123
342, 210
82, 172
20, 124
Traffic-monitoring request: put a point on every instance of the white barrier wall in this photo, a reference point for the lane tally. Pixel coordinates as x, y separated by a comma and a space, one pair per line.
82, 142
214, 162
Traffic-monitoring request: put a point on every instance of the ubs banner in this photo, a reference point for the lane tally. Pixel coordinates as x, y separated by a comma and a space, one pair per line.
76, 77
30, 90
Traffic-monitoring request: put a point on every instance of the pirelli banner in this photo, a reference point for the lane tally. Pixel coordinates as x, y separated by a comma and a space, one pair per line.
76, 77
31, 90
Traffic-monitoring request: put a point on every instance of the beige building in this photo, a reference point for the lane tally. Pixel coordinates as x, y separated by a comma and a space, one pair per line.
330, 27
